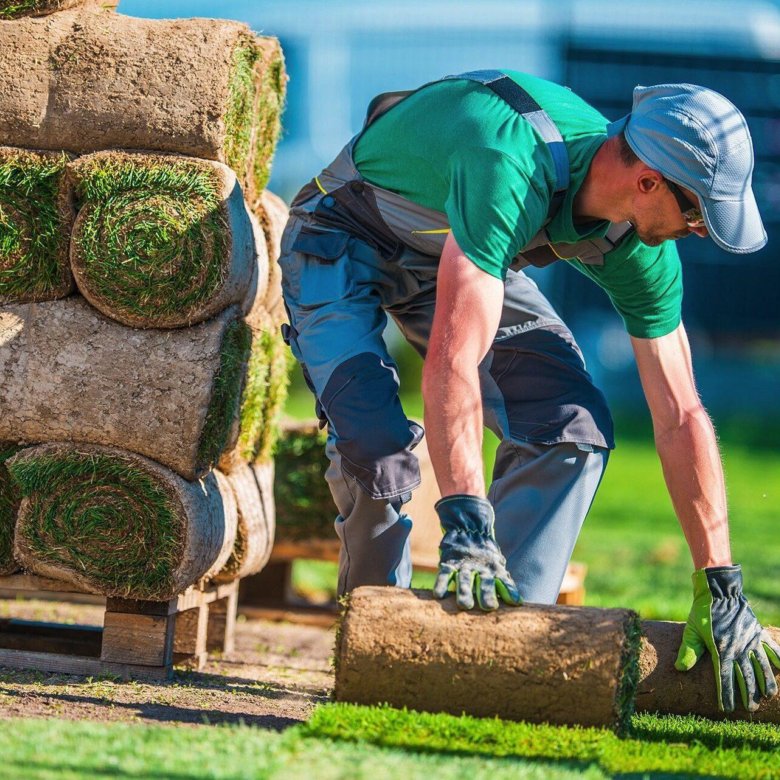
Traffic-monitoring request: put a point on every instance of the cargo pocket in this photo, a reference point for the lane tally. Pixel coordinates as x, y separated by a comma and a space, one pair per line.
325, 273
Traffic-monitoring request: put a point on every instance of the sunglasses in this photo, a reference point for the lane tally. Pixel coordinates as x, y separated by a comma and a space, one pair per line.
690, 212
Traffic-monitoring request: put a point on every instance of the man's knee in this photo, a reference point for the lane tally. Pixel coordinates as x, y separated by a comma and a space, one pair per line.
373, 435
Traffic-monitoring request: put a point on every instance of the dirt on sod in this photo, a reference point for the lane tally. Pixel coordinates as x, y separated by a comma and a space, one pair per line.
275, 677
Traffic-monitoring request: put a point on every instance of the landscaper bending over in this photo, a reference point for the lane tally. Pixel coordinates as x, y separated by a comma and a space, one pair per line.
429, 215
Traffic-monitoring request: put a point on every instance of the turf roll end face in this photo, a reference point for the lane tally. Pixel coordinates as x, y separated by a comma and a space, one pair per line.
36, 218
115, 523
160, 240
252, 487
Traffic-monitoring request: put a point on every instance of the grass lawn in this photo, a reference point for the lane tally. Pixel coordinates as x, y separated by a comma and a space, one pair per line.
351, 742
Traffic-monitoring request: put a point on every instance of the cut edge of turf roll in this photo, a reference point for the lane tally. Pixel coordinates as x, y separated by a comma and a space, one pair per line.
160, 240
115, 523
36, 219
9, 508
625, 700
253, 490
16, 9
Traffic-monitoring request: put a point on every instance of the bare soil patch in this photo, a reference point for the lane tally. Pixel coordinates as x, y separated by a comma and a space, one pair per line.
277, 674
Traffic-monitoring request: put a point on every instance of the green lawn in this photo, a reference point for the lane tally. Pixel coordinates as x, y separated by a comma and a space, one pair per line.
351, 742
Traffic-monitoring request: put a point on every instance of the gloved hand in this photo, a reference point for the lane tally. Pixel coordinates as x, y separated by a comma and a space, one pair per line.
470, 561
722, 622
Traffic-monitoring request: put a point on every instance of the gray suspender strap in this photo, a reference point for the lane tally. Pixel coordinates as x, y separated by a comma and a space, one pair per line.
518, 99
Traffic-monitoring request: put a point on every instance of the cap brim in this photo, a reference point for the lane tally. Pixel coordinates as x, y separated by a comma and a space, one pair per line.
613, 128
735, 225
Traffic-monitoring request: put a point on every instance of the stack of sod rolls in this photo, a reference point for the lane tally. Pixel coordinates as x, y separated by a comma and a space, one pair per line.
141, 360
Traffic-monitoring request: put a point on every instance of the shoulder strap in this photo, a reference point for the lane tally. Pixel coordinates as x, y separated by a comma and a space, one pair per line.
518, 99
522, 102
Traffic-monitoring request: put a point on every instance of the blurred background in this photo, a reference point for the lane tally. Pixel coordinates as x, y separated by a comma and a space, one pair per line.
340, 53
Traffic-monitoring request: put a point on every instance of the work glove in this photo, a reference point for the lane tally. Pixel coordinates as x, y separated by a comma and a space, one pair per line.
722, 622
470, 562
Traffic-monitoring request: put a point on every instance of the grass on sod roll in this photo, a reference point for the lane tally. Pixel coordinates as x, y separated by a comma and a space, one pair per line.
9, 505
254, 398
154, 240
226, 394
34, 226
254, 109
17, 8
100, 514
279, 363
304, 506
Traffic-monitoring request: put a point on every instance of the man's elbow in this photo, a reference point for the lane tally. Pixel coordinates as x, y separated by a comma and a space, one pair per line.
684, 419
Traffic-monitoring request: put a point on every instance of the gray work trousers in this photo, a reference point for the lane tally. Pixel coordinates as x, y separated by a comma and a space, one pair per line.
553, 423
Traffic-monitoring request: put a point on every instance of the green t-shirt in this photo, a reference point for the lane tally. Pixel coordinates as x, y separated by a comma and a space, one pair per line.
456, 147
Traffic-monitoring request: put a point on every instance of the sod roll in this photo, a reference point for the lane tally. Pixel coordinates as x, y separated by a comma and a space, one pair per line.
230, 512
15, 9
9, 506
160, 241
36, 219
86, 81
115, 523
252, 487
70, 374
543, 664
663, 689
272, 213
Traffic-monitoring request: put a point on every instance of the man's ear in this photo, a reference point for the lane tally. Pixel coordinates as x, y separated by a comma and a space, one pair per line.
648, 181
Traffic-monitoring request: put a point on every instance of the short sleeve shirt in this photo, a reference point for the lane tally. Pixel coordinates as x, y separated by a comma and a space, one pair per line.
456, 147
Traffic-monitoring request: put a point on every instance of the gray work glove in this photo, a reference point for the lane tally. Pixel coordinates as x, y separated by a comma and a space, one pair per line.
722, 622
470, 561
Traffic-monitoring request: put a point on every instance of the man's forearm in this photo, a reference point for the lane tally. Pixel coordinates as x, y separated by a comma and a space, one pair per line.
453, 423
694, 476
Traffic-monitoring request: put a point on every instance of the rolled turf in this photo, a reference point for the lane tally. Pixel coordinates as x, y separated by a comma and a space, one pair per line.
115, 523
9, 506
86, 81
664, 690
252, 487
272, 213
36, 219
542, 664
160, 241
71, 374
15, 9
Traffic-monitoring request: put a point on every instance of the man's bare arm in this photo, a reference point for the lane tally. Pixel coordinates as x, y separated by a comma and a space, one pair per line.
468, 311
687, 446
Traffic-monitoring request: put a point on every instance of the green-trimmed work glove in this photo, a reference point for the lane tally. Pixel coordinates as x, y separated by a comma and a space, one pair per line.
722, 622
470, 562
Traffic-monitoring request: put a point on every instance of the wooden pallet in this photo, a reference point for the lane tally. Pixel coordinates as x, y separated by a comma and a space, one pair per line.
138, 639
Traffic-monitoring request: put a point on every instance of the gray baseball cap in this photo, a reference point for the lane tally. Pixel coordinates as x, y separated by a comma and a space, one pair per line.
699, 140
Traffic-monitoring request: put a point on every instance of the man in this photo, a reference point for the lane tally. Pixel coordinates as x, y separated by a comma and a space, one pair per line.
429, 214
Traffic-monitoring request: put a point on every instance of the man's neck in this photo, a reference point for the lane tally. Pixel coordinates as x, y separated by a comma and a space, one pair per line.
597, 198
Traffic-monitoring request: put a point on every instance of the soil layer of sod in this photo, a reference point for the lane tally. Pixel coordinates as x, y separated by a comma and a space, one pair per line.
115, 523
86, 81
36, 218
